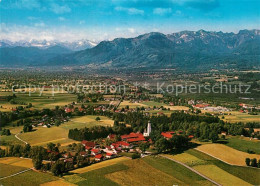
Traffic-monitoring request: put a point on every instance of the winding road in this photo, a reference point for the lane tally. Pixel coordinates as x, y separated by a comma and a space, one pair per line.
16, 136
193, 170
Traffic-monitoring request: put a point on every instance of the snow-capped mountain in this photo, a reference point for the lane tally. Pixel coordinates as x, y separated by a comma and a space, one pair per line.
74, 46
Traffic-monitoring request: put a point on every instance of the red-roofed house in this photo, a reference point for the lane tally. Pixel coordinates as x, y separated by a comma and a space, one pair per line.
111, 136
110, 155
120, 145
99, 157
133, 137
88, 145
167, 135
95, 151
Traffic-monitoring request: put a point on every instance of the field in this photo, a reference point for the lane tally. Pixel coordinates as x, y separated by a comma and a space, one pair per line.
207, 165
21, 162
29, 178
241, 117
146, 171
100, 165
227, 154
38, 100
42, 136
244, 144
141, 173
123, 104
87, 121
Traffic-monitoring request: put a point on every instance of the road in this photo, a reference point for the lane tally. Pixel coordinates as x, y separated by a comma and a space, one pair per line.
193, 170
16, 136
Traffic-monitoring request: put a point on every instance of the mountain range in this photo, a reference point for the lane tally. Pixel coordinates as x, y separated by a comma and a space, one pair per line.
43, 44
186, 49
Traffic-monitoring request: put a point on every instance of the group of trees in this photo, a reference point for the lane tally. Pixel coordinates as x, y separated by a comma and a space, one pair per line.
253, 162
97, 132
175, 143
6, 132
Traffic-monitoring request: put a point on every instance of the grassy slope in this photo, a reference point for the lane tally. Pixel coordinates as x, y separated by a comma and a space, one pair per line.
243, 145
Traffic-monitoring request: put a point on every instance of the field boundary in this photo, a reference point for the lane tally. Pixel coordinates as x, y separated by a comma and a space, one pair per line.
193, 170
225, 161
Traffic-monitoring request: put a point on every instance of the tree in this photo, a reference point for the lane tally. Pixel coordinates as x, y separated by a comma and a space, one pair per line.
178, 141
58, 168
213, 136
37, 162
98, 119
143, 147
161, 145
254, 162
136, 156
248, 161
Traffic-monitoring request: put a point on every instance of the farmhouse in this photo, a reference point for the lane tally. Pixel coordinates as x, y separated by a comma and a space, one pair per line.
133, 137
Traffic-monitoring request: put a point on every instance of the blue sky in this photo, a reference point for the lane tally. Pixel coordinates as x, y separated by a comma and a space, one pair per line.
98, 20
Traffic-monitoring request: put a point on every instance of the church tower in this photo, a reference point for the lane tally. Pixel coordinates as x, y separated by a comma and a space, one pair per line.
148, 131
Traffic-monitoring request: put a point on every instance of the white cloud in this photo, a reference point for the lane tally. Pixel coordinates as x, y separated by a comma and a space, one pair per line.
132, 11
131, 30
41, 24
82, 22
162, 11
59, 9
61, 18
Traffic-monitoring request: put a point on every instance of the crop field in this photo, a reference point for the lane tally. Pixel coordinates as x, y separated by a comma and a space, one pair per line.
227, 154
123, 104
219, 175
178, 172
29, 178
59, 182
141, 173
248, 174
241, 117
243, 144
14, 161
7, 170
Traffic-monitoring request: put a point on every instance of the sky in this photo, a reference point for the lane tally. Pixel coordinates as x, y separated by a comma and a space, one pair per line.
97, 20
